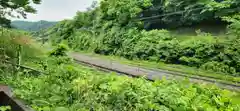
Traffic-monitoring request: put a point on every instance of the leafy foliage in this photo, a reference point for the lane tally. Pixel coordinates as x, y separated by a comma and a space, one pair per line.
15, 8
5, 108
78, 88
60, 50
234, 27
218, 67
113, 29
70, 87
13, 41
177, 13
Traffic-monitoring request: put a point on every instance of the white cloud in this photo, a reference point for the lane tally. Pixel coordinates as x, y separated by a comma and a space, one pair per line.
55, 10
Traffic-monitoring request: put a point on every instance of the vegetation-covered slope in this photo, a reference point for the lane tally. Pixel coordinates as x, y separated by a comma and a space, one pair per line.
178, 13
66, 86
32, 26
116, 28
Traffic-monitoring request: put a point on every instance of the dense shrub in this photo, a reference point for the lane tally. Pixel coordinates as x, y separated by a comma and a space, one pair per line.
69, 87
218, 67
148, 45
60, 50
81, 40
234, 27
110, 41
190, 61
139, 95
169, 51
16, 46
131, 38
226, 53
77, 88
160, 45
113, 29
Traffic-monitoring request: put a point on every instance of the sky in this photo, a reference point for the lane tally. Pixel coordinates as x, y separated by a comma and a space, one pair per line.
56, 10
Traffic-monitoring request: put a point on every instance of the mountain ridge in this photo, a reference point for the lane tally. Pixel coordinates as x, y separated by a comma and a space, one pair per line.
32, 25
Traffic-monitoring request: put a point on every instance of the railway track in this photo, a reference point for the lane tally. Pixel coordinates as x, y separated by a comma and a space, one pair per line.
150, 74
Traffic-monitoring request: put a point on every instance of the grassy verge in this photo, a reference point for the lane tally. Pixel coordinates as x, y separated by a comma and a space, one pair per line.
189, 71
171, 67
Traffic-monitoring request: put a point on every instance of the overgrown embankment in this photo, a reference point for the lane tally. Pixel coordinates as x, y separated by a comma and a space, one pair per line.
114, 28
78, 88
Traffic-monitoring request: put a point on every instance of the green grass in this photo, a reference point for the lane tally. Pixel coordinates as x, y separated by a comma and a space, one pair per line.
94, 89
206, 38
189, 71
199, 36
80, 88
236, 98
171, 67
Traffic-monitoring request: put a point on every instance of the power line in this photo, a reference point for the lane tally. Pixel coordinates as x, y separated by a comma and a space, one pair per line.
168, 14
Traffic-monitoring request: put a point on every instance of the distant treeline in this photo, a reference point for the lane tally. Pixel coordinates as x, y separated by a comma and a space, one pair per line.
32, 26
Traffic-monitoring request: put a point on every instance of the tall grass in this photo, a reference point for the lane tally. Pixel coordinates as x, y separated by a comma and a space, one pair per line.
17, 46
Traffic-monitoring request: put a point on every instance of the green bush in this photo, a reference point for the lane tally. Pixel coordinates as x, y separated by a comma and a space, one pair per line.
138, 95
5, 108
81, 40
190, 61
110, 41
17, 46
58, 60
200, 49
60, 50
158, 45
77, 88
131, 38
218, 67
113, 29
234, 27
169, 51
148, 44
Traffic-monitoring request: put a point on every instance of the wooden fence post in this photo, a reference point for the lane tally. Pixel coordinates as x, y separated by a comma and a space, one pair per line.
19, 56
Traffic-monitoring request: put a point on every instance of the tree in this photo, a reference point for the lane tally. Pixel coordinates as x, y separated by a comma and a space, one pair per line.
177, 13
93, 6
15, 9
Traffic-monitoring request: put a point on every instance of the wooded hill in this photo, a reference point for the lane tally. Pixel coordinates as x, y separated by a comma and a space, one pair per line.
32, 26
117, 28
